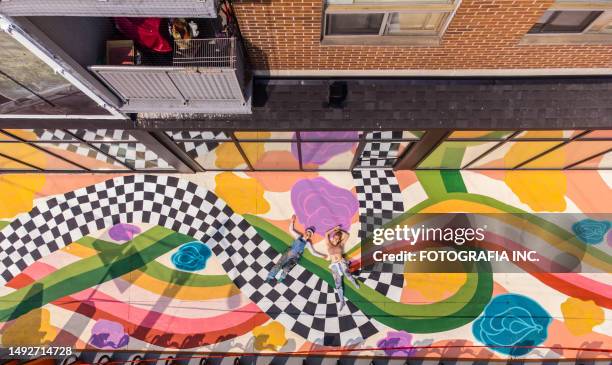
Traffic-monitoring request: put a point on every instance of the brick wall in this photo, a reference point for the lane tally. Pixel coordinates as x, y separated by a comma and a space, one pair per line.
285, 35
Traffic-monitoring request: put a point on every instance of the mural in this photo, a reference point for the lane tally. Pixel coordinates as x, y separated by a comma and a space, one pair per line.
164, 262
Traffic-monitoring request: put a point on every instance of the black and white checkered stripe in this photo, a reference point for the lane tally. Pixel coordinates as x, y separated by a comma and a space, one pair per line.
380, 200
380, 154
198, 143
303, 303
131, 152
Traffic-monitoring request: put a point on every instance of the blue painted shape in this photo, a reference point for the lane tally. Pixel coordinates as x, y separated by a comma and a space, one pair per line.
591, 231
511, 323
191, 256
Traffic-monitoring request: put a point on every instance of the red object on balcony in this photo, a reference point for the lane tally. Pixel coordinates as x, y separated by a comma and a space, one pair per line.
146, 32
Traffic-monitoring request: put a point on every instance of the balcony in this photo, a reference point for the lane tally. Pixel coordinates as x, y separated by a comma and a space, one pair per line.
201, 75
150, 64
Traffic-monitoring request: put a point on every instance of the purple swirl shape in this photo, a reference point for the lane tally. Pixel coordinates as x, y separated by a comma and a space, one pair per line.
108, 334
123, 232
397, 344
319, 203
321, 152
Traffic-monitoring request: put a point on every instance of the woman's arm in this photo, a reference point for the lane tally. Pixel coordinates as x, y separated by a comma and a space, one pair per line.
294, 232
314, 252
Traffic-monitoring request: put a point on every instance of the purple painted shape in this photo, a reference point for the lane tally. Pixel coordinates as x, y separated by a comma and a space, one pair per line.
609, 238
397, 344
320, 152
123, 232
108, 334
319, 203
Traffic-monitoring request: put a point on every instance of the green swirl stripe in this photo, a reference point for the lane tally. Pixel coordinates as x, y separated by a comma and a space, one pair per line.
455, 311
89, 272
161, 272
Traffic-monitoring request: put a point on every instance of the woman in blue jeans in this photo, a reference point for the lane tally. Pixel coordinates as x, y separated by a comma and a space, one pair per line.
290, 258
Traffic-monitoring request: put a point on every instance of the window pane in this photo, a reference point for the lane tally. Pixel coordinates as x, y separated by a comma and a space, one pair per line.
83, 155
95, 135
569, 154
411, 23
261, 135
6, 164
328, 155
41, 134
223, 156
454, 155
384, 149
26, 153
347, 24
5, 137
566, 21
512, 154
198, 135
601, 162
599, 134
329, 136
135, 155
552, 134
570, 18
497, 135
272, 155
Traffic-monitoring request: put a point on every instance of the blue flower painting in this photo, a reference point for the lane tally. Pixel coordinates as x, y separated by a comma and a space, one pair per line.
591, 231
511, 324
191, 256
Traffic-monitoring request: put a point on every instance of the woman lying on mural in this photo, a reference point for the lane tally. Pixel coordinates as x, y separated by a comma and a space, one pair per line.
336, 238
290, 258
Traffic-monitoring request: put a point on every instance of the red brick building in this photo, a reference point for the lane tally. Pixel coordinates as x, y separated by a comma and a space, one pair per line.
289, 35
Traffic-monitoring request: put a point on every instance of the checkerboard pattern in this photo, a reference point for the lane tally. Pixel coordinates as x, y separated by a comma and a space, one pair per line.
380, 200
303, 303
198, 143
129, 152
380, 154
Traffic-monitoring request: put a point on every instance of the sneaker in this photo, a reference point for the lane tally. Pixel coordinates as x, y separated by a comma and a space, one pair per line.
269, 280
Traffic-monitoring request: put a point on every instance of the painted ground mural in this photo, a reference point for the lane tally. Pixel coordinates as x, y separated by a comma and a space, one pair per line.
181, 262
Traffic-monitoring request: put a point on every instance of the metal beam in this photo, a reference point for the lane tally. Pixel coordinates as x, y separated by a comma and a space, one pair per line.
167, 141
421, 149
164, 152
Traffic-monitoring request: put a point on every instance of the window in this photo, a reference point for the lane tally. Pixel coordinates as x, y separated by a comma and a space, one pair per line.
352, 24
387, 22
565, 21
295, 150
573, 22
76, 150
525, 150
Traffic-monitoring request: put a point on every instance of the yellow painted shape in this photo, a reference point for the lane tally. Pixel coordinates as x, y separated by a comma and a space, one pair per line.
581, 315
541, 190
244, 196
435, 286
33, 328
80, 250
17, 193
269, 337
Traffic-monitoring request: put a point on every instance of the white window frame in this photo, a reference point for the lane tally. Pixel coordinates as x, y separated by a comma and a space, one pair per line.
424, 38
